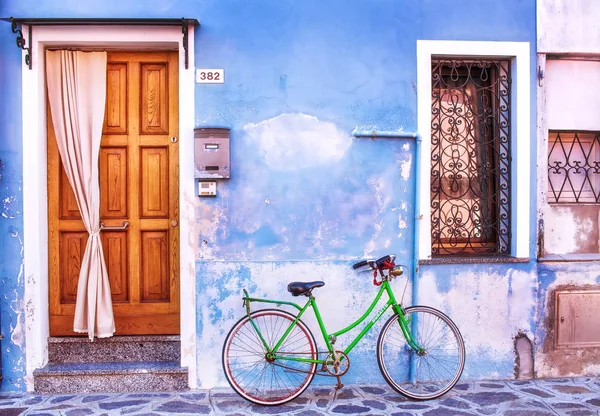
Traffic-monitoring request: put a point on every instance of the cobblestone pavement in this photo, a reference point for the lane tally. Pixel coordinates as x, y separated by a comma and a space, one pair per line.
572, 397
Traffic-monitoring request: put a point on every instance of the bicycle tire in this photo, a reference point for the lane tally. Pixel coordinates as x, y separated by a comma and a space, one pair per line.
257, 379
437, 370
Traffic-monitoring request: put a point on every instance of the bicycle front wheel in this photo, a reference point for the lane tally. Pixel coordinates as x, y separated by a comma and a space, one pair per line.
261, 379
427, 374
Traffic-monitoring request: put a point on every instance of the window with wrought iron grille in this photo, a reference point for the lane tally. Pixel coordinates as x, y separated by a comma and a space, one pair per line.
470, 157
573, 167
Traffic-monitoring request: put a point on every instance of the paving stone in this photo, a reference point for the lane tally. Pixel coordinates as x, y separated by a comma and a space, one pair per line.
60, 399
322, 403
79, 412
15, 411
567, 405
490, 398
94, 398
595, 402
59, 407
42, 414
148, 395
524, 412
346, 394
33, 400
374, 404
521, 382
320, 392
413, 406
132, 410
487, 411
440, 411
394, 398
8, 396
462, 386
274, 410
457, 404
310, 413
303, 399
572, 389
373, 390
538, 392
350, 409
492, 385
229, 405
177, 406
193, 396
401, 414
536, 403
585, 412
121, 404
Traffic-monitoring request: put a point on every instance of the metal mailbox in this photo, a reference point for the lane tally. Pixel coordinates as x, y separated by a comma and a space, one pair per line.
211, 153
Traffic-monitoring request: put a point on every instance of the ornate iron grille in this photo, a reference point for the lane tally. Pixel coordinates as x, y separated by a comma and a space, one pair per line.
574, 167
470, 157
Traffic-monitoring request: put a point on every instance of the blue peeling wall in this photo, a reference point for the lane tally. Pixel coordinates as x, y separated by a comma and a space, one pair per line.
306, 198
12, 317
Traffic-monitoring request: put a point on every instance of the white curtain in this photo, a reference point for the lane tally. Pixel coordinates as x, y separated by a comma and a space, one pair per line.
77, 96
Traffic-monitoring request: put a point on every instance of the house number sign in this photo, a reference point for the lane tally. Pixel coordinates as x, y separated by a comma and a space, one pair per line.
210, 76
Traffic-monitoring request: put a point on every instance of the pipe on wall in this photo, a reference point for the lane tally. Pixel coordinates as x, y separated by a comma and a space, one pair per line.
418, 217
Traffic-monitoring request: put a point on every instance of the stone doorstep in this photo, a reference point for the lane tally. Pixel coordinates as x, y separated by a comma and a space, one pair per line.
110, 377
116, 349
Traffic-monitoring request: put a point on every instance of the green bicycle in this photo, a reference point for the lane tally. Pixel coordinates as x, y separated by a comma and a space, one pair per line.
270, 356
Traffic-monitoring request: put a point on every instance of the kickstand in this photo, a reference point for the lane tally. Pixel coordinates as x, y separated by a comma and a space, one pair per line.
339, 384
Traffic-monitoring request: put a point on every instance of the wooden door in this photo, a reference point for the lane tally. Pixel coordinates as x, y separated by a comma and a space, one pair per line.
139, 187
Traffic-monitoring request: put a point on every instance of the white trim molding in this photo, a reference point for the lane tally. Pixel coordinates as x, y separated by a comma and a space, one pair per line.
520, 130
35, 211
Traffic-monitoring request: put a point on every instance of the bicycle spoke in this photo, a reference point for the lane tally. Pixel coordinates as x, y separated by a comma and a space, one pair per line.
263, 380
423, 375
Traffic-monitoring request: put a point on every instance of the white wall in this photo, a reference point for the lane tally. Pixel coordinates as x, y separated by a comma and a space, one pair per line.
568, 26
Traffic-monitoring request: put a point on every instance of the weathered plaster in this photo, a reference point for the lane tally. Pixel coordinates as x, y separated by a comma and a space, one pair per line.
12, 310
570, 229
490, 305
564, 362
345, 296
568, 26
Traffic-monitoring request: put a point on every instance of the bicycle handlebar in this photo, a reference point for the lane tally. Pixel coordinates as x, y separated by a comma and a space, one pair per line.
375, 264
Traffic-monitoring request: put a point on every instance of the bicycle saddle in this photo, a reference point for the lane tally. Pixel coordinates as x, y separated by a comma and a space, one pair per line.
303, 288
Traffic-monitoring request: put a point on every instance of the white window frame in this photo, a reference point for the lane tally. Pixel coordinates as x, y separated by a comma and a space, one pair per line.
35, 192
520, 131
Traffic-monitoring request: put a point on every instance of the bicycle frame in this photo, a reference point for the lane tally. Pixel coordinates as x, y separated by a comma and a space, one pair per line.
327, 338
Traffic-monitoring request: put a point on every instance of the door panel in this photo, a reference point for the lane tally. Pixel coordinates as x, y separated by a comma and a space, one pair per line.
139, 186
113, 182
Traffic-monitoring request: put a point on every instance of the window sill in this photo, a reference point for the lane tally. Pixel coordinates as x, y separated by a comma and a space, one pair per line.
473, 260
561, 258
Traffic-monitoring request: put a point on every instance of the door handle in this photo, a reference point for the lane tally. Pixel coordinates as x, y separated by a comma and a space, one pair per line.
122, 227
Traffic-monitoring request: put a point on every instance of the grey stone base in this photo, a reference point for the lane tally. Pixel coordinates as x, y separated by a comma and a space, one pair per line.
114, 349
110, 378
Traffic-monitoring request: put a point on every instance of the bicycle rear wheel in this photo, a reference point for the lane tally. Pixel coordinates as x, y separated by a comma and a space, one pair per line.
426, 375
266, 381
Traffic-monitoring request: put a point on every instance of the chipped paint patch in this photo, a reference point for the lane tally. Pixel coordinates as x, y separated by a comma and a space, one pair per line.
344, 297
293, 141
567, 231
405, 168
489, 305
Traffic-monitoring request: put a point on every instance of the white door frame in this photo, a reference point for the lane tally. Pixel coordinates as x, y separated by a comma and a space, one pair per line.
35, 189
